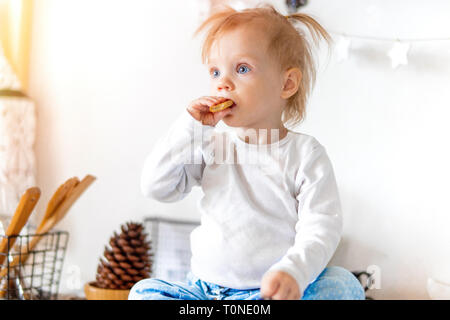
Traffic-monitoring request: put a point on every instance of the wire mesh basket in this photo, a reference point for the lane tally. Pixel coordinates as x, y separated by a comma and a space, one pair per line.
171, 250
32, 265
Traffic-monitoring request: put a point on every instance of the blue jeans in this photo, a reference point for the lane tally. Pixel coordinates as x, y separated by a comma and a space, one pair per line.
334, 283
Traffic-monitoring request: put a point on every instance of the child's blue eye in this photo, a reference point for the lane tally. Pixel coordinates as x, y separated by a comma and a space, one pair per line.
215, 73
240, 68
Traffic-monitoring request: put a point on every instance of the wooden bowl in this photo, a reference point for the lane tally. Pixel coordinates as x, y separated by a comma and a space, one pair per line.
95, 293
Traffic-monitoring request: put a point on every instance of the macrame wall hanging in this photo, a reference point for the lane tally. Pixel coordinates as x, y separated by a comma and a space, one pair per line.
17, 135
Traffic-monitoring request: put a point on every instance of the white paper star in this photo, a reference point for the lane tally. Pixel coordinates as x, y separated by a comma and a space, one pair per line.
399, 54
342, 48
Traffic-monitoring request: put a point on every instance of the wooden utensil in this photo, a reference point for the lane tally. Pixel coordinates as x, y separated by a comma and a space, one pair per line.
70, 199
53, 219
57, 198
23, 211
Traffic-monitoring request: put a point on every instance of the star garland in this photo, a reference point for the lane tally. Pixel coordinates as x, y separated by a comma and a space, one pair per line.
398, 53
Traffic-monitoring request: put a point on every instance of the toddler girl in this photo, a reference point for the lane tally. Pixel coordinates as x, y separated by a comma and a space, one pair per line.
270, 212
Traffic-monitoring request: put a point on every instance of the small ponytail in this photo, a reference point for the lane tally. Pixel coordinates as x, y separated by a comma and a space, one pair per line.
300, 54
315, 29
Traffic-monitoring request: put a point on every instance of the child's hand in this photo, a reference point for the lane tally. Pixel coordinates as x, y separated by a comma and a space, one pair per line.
279, 285
199, 110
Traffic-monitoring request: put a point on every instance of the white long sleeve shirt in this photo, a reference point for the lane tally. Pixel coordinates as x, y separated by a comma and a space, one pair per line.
264, 207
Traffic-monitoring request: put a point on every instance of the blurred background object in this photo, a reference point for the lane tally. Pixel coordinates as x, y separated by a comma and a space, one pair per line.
17, 136
293, 6
438, 290
15, 35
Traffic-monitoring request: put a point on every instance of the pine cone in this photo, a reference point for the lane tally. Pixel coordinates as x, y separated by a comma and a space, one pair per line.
127, 260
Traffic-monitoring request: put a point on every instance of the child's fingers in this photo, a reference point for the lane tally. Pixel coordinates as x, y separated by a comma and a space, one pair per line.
210, 100
294, 295
200, 108
204, 110
203, 102
286, 291
215, 100
282, 292
220, 99
269, 287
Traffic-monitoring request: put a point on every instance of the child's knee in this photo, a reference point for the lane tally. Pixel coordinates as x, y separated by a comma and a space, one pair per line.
346, 283
335, 283
142, 288
336, 271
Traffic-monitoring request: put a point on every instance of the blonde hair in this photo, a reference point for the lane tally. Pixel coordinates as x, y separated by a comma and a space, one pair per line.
287, 44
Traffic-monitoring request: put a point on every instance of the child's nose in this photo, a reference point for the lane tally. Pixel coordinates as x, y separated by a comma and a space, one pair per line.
225, 84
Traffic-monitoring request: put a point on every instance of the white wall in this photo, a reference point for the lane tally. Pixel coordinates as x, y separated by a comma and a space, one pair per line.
386, 132
110, 76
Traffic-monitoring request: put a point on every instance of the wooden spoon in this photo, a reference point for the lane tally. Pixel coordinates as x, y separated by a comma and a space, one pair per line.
23, 211
57, 198
70, 199
54, 218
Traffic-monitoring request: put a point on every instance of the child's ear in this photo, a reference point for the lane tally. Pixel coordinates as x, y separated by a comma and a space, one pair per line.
292, 80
